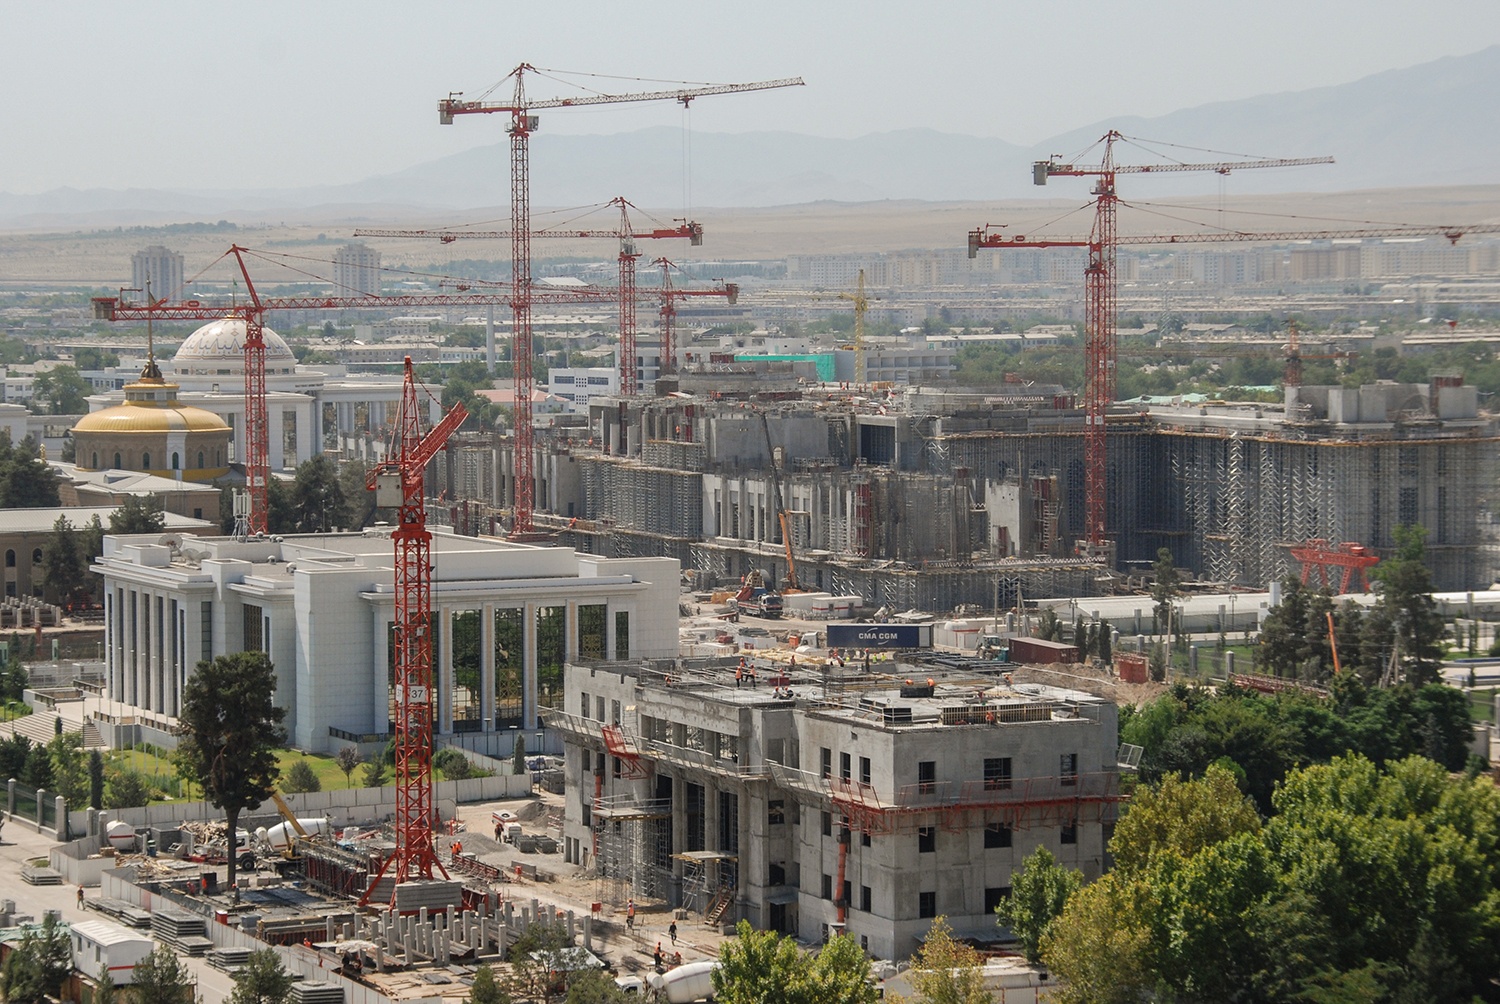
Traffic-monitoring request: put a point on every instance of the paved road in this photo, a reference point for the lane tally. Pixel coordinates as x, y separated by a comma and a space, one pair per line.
21, 844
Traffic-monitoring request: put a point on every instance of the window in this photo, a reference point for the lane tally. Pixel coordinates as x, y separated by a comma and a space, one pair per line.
176, 461
200, 459
117, 461
1069, 832
927, 776
599, 705
826, 756
36, 556
864, 771
847, 892
827, 886
994, 896
776, 874
864, 898
926, 839
864, 838
827, 824
146, 460
94, 460
996, 835
927, 904
844, 760
10, 559
776, 812
587, 761
583, 705
614, 712
996, 773
587, 818
1067, 768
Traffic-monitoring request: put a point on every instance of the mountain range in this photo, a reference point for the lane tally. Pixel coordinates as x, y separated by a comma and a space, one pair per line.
1428, 125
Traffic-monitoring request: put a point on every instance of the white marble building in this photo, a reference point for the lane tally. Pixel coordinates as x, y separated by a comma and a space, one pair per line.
508, 617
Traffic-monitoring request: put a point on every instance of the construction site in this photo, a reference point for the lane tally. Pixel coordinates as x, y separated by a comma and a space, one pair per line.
941, 499
817, 796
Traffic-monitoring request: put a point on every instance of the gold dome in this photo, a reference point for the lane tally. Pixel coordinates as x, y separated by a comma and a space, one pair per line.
151, 405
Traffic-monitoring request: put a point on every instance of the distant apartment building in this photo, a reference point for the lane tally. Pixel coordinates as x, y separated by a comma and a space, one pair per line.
160, 268
356, 270
577, 384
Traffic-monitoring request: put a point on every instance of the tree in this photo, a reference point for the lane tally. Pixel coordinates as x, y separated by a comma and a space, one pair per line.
1406, 594
518, 755
359, 501
1102, 644
38, 769
318, 497
96, 779
63, 567
161, 978
347, 759
138, 514
485, 989
262, 980
70, 771
945, 971
26, 481
1164, 588
229, 714
299, 777
593, 986
127, 789
1039, 891
37, 966
63, 390
91, 546
1049, 625
759, 966
91, 358
454, 765
374, 773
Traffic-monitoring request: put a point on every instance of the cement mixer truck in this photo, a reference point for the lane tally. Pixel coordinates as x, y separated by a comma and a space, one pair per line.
684, 984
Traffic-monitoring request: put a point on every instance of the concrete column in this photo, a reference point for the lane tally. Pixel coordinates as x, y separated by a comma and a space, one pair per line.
442, 671
487, 667
529, 668
380, 671
277, 434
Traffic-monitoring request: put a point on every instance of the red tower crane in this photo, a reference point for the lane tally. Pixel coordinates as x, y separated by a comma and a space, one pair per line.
1099, 325
1100, 298
627, 236
397, 484
668, 312
257, 457
523, 122
257, 448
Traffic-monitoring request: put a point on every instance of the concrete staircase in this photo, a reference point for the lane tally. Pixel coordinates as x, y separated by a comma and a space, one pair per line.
39, 726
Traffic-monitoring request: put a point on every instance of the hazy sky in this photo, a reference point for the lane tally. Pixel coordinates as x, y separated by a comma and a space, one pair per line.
271, 94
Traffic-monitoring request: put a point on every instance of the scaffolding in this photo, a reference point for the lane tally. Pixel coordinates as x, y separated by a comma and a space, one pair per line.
633, 841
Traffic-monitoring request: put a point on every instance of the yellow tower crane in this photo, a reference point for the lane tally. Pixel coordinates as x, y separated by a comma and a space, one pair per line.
860, 302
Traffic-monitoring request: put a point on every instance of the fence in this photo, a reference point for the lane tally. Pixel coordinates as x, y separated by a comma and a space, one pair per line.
342, 805
301, 962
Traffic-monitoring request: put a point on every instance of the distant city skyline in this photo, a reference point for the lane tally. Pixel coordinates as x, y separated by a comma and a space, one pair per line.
209, 96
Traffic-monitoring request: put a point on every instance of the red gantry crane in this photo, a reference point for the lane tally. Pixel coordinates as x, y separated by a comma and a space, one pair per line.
1100, 296
397, 484
523, 122
626, 234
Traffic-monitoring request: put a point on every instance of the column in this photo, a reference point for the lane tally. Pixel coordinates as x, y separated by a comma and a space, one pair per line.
380, 692
570, 632
277, 435
529, 668
442, 671
487, 673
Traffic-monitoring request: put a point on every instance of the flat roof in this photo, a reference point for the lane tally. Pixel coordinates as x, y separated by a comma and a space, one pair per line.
41, 520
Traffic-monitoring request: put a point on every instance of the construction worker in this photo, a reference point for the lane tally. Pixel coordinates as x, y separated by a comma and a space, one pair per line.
656, 956
671, 928
630, 914
739, 673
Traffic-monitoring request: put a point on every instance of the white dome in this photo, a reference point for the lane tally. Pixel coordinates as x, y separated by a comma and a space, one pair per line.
219, 347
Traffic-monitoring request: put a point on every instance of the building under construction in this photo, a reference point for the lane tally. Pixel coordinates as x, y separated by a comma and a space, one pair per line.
941, 498
831, 799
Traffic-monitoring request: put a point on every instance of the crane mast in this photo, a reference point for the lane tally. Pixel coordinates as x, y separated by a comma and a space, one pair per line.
626, 234
668, 312
1101, 291
520, 127
397, 484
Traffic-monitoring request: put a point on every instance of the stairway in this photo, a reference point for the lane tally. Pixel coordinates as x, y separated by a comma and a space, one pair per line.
39, 726
720, 905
